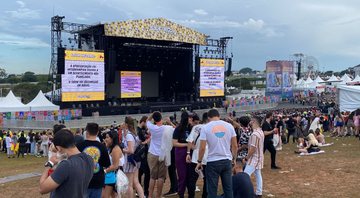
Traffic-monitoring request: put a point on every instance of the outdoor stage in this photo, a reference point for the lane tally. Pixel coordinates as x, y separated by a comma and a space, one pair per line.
137, 66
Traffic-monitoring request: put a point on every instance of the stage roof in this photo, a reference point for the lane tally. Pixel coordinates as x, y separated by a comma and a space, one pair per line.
154, 29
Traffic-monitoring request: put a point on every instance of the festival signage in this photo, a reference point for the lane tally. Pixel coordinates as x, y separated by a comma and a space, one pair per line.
273, 78
83, 79
287, 78
130, 84
212, 77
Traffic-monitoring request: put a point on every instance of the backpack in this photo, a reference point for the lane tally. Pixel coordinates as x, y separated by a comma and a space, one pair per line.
139, 153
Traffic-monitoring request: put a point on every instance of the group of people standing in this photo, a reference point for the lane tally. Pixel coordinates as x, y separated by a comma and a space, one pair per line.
205, 149
22, 143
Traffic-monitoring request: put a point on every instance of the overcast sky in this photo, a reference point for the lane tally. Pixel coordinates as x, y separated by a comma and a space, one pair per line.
328, 30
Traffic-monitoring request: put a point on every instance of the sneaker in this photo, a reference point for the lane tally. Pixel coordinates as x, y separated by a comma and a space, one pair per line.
275, 168
170, 193
197, 189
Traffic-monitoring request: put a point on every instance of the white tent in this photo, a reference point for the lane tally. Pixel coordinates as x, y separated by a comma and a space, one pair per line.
308, 81
319, 79
349, 98
11, 104
313, 85
356, 79
41, 103
333, 79
345, 79
300, 83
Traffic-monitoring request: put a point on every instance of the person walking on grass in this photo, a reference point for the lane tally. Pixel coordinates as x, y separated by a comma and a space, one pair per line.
269, 131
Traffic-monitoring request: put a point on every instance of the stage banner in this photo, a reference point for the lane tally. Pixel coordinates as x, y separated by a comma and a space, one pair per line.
83, 79
130, 84
287, 78
273, 78
212, 77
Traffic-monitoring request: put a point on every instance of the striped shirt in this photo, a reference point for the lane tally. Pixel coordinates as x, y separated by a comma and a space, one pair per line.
257, 140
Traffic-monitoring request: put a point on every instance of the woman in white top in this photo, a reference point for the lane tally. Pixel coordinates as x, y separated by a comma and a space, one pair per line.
131, 168
45, 143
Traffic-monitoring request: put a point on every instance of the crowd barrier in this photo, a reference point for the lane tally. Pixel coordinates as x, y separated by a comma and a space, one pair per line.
109, 120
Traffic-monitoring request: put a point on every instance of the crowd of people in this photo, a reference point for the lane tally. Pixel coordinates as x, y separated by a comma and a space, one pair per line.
87, 162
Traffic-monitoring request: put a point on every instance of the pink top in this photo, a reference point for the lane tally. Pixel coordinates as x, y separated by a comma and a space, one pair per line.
356, 120
257, 140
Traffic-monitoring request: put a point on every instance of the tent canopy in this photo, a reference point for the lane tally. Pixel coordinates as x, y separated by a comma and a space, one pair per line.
333, 79
11, 104
356, 79
319, 79
41, 103
349, 98
345, 79
308, 81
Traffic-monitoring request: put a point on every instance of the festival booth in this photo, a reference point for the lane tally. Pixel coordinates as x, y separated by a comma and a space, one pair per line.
319, 80
349, 98
345, 79
15, 113
356, 81
41, 103
11, 104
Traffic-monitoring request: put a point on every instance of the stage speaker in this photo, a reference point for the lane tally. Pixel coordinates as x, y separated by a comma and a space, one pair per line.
298, 69
61, 60
228, 72
197, 70
110, 66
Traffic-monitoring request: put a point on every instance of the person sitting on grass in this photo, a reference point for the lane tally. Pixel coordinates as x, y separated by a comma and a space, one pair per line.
242, 186
319, 137
312, 144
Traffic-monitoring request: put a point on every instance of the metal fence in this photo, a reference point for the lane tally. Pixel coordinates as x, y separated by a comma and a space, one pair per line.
109, 120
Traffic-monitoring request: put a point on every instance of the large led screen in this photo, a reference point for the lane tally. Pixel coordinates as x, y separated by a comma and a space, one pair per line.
83, 78
211, 77
130, 84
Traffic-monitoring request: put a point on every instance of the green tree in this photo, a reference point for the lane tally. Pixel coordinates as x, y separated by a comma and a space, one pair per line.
3, 73
12, 79
328, 73
246, 70
28, 91
29, 77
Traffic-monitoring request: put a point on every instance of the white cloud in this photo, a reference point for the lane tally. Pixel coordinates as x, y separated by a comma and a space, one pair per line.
200, 12
81, 18
252, 25
21, 4
23, 13
22, 42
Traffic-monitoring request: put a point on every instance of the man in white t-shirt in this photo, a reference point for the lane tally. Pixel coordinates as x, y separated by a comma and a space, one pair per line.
158, 169
194, 145
315, 124
220, 137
